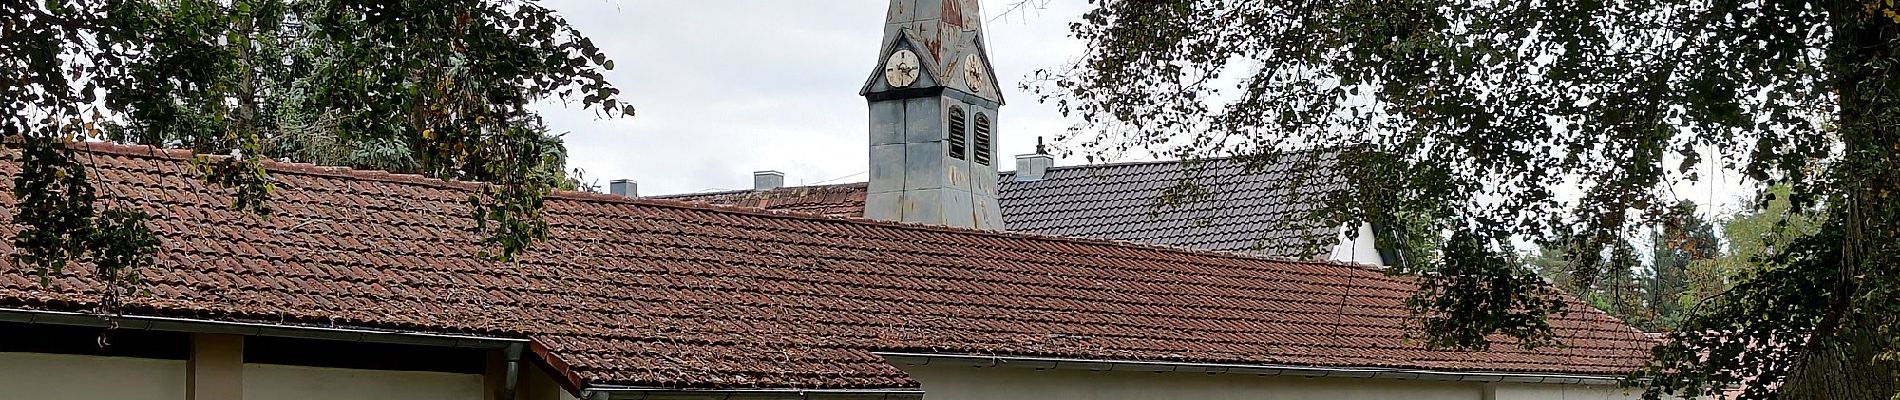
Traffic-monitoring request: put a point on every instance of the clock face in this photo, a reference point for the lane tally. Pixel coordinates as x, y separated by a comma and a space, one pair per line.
902, 69
974, 75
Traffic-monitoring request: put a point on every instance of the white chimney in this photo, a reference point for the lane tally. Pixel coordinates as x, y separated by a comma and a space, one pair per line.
624, 187
1031, 167
767, 180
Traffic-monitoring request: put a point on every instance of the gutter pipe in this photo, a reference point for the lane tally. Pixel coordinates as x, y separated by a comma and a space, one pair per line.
511, 381
1222, 368
610, 392
133, 322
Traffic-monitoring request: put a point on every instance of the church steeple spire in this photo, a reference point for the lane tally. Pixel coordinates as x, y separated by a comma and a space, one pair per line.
947, 38
933, 100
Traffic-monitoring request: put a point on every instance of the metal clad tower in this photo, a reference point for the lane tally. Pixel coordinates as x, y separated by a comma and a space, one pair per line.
933, 101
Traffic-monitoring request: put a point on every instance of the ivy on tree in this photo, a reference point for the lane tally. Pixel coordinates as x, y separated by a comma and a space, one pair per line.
438, 87
1466, 120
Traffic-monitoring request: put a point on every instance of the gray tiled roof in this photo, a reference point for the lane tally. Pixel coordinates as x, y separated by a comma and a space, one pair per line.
1257, 212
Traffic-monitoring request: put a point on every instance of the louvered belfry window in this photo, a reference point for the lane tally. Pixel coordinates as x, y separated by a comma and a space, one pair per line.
982, 139
959, 130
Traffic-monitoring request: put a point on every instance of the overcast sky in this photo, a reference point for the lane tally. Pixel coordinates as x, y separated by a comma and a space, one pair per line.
727, 87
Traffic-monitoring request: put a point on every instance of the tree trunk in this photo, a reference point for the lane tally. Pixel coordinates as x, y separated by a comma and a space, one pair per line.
1842, 367
244, 125
1842, 360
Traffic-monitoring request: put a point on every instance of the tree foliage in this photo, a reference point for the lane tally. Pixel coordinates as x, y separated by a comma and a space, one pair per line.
438, 87
1654, 293
1685, 246
1536, 120
1768, 228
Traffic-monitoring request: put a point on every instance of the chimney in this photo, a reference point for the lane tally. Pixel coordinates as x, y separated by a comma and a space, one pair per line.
767, 180
624, 187
1030, 167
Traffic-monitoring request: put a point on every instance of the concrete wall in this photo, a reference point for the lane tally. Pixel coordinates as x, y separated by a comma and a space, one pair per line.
286, 382
61, 377
960, 383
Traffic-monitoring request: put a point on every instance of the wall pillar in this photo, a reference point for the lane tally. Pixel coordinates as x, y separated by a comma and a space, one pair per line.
216, 368
494, 375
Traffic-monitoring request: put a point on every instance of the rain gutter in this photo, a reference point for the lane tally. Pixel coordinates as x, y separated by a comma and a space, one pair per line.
969, 360
134, 322
652, 393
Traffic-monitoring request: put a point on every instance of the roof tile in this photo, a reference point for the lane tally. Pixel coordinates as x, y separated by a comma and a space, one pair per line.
674, 294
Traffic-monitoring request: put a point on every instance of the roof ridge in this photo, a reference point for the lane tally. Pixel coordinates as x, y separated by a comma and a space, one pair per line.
739, 191
1134, 163
998, 173
1173, 161
152, 152
694, 205
274, 166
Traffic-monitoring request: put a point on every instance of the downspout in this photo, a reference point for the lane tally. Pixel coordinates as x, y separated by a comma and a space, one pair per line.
512, 378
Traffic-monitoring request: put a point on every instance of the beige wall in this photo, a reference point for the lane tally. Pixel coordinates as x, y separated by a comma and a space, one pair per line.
284, 382
538, 384
1562, 392
75, 377
959, 383
62, 377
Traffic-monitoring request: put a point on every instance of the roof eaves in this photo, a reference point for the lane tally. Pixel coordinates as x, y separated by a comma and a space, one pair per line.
192, 325
610, 392
1249, 369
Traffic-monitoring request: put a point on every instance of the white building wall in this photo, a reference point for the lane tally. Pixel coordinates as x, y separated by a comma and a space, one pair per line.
971, 383
1357, 246
285, 382
74, 377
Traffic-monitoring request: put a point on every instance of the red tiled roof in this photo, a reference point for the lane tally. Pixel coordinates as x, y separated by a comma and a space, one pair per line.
672, 294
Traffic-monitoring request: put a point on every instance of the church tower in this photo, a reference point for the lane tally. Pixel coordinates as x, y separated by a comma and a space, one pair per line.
933, 100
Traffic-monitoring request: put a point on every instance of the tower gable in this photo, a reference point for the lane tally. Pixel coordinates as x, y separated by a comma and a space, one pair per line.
946, 36
928, 79
990, 88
